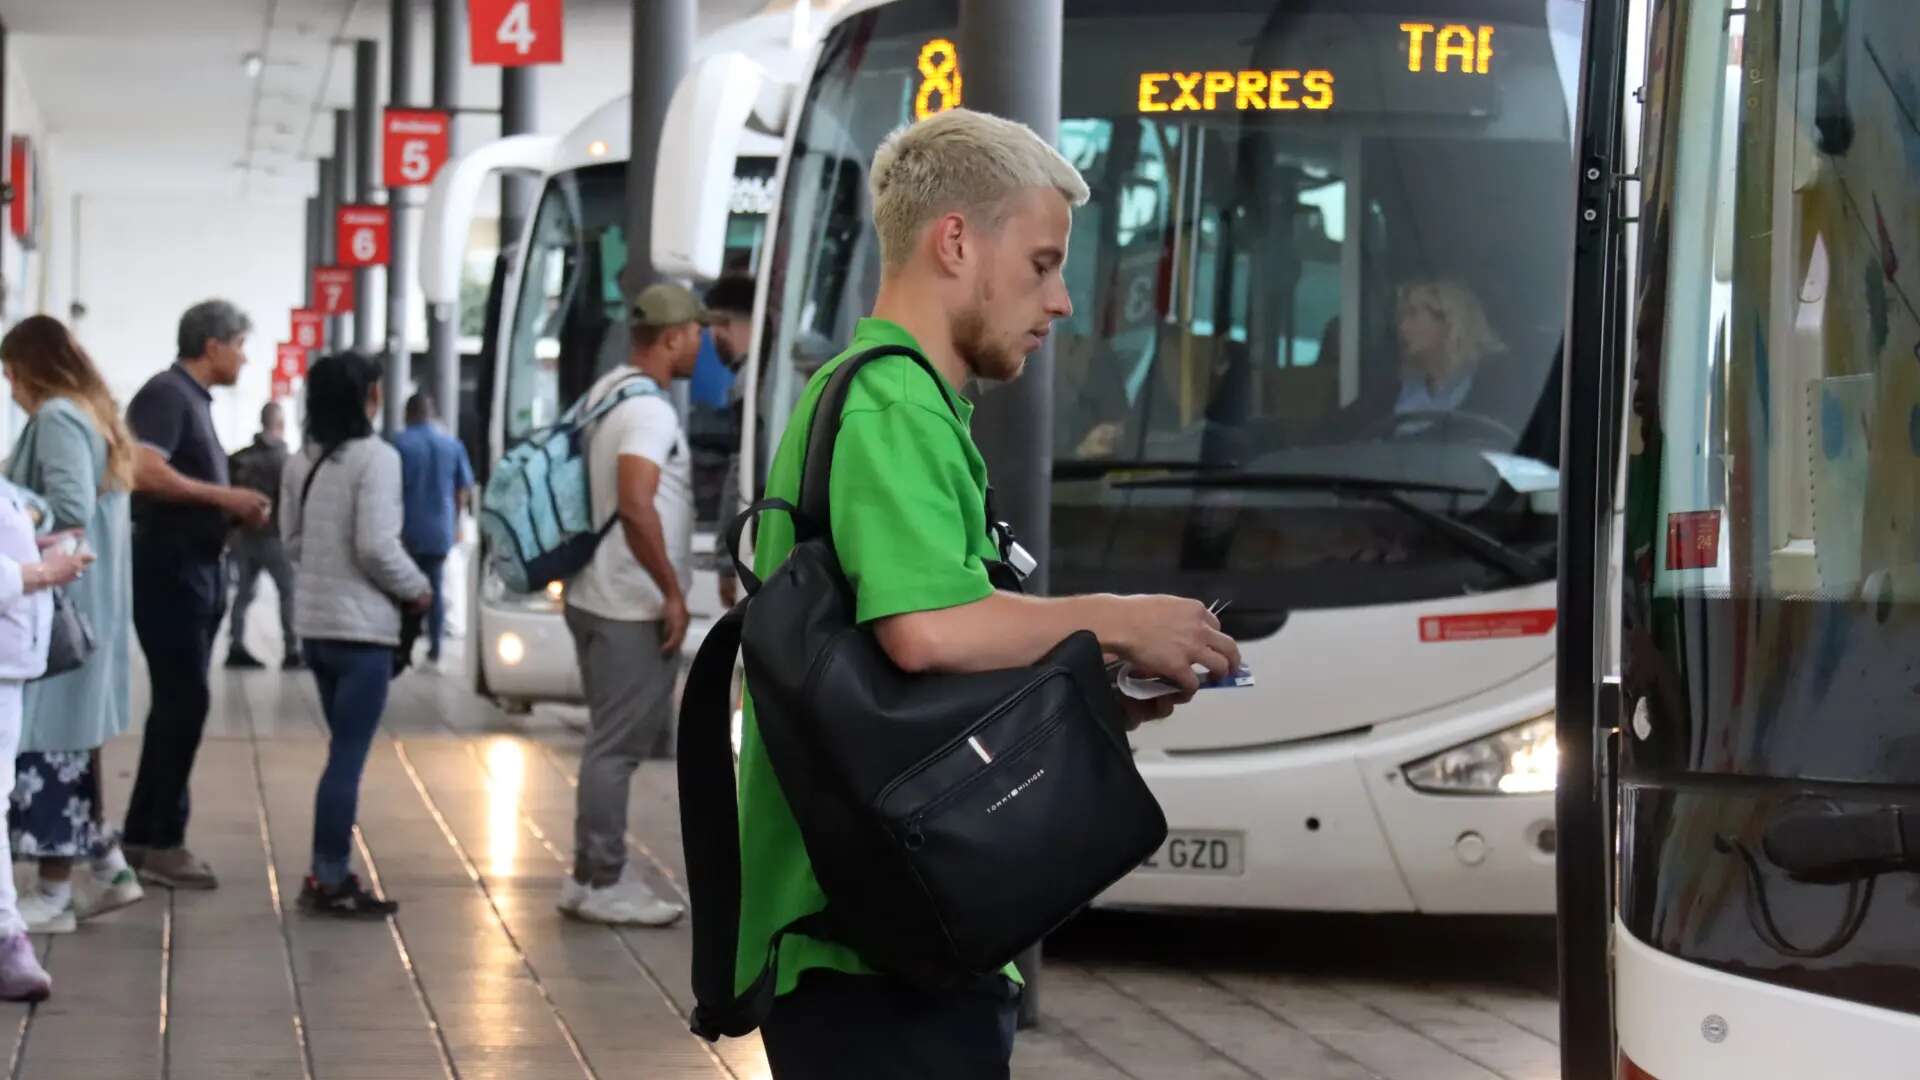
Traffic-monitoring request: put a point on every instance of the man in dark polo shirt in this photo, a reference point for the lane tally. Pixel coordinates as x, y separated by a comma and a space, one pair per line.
183, 508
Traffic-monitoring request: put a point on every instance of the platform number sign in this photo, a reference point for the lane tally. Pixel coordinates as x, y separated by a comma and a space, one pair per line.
306, 328
362, 235
289, 361
414, 148
513, 33
333, 290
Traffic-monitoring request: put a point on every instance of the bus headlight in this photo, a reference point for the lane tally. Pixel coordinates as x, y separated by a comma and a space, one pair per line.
1521, 760
510, 649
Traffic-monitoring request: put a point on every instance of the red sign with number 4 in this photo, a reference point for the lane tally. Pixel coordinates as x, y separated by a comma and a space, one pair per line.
514, 33
362, 235
306, 328
415, 147
333, 290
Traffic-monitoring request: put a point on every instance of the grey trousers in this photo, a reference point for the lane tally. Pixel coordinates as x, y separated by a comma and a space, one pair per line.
251, 553
630, 704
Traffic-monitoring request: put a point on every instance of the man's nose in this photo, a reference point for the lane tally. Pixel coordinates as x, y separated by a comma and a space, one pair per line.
1059, 301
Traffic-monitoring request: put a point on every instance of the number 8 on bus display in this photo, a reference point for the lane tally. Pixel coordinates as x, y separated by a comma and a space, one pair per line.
514, 33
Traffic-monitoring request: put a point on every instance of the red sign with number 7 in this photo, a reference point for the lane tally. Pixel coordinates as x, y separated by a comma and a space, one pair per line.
333, 290
514, 33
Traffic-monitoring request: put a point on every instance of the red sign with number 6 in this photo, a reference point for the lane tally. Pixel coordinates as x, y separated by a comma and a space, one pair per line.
514, 33
362, 235
306, 328
415, 147
333, 290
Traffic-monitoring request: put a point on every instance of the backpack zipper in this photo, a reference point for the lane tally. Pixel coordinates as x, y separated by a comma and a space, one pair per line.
960, 739
914, 838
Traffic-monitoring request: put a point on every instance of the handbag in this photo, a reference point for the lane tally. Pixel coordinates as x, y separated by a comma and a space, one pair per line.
951, 820
71, 642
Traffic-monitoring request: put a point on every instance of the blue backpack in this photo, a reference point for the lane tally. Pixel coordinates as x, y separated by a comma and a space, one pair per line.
537, 514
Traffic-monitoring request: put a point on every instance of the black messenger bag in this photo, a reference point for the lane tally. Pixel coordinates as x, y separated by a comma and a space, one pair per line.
952, 820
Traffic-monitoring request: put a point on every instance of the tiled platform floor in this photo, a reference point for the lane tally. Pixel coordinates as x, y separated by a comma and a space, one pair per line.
466, 817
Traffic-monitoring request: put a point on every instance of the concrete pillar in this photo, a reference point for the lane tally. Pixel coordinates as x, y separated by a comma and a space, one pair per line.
366, 136
662, 48
1010, 59
399, 379
329, 200
519, 102
443, 352
342, 194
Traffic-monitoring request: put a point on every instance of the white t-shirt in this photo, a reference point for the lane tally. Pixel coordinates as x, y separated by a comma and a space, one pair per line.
614, 585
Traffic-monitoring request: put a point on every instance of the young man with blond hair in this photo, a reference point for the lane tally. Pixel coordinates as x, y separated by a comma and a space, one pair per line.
973, 214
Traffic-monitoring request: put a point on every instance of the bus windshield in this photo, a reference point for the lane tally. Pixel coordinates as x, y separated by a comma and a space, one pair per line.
1323, 262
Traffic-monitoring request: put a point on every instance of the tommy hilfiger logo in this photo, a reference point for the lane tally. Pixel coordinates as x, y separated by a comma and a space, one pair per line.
1017, 789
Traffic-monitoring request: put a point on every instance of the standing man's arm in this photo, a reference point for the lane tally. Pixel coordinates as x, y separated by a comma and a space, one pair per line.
639, 481
463, 482
159, 425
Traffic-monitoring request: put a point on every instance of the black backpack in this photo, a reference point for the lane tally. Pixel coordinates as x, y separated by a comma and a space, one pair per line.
952, 820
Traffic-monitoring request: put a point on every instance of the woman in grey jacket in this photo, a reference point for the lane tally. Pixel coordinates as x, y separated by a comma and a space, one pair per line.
340, 515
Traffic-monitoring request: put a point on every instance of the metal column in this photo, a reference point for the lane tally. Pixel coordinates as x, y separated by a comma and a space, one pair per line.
518, 104
443, 353
313, 253
1010, 57
366, 127
662, 45
331, 171
399, 95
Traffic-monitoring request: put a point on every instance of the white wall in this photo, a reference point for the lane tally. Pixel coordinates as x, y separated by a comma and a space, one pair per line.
143, 260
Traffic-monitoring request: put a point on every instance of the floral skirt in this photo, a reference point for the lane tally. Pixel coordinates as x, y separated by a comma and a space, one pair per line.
52, 815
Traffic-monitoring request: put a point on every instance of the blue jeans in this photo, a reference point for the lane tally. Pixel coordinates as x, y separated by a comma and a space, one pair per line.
353, 678
432, 565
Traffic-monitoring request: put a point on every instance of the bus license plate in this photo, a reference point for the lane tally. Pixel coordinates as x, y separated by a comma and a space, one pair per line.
1199, 852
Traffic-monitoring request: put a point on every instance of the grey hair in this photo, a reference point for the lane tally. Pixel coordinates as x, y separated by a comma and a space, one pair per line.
210, 320
959, 160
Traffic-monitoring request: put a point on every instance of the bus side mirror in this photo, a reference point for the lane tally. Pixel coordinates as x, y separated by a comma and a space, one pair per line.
693, 174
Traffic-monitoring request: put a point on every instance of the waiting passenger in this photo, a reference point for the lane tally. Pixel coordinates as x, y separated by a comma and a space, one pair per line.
628, 609
340, 515
77, 455
436, 480
973, 214
28, 568
182, 508
257, 548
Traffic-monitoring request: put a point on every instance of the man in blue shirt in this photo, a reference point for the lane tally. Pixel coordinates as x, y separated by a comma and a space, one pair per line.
437, 482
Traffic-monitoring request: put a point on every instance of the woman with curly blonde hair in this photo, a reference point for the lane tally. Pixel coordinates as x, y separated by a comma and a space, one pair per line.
76, 454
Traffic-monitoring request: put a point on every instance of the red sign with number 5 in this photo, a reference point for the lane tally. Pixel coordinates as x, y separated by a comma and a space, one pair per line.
362, 235
333, 290
415, 147
514, 33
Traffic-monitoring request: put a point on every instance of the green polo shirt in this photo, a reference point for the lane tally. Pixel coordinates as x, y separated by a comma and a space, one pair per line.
910, 528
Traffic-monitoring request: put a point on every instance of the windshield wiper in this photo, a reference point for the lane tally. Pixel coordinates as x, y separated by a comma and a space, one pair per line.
1475, 542
1094, 468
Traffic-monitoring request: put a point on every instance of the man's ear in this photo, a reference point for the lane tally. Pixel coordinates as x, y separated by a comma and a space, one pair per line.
953, 242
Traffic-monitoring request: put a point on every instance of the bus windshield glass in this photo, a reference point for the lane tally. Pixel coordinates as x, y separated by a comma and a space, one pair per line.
1318, 290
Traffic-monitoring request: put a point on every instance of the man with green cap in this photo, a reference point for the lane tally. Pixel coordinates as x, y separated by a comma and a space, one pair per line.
627, 609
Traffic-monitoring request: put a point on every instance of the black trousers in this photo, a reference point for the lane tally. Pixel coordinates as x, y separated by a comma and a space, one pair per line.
836, 1026
178, 601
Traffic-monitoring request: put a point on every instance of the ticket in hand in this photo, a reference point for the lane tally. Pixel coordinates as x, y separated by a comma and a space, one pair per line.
1146, 688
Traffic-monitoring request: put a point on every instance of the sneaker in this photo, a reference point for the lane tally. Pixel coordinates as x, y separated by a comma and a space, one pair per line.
121, 890
346, 901
628, 903
45, 915
172, 868
572, 894
241, 660
21, 976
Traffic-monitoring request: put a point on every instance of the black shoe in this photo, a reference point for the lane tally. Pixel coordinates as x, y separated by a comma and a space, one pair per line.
242, 660
293, 662
348, 901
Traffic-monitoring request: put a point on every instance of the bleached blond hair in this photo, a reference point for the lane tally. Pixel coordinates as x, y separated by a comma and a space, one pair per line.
959, 160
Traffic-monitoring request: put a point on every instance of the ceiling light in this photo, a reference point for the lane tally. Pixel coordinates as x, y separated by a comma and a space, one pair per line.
253, 65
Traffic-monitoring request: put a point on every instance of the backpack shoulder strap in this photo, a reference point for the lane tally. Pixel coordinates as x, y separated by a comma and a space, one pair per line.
815, 517
710, 836
631, 386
